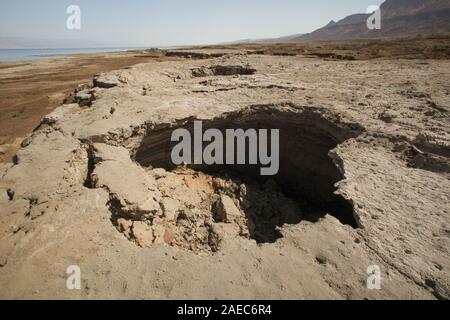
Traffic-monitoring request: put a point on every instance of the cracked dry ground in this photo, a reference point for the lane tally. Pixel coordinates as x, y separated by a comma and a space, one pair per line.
364, 180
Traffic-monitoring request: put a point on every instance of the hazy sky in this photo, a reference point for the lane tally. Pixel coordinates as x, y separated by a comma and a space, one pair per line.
172, 22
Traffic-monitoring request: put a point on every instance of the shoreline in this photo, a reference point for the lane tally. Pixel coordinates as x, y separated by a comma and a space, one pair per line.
30, 89
33, 54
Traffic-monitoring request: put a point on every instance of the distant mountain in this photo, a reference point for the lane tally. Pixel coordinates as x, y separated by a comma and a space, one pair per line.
398, 18
264, 40
30, 43
283, 39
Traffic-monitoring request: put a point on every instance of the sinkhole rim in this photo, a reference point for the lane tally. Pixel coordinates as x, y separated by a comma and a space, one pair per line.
328, 129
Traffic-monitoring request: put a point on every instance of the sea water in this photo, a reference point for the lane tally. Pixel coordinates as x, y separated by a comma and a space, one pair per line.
37, 54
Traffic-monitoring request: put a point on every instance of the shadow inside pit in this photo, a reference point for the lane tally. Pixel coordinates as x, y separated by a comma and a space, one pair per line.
307, 174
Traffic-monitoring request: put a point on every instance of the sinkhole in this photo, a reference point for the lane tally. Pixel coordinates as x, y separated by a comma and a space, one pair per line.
306, 178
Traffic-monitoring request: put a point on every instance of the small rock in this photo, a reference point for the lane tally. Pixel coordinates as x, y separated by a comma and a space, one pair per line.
226, 230
226, 210
170, 209
429, 282
3, 262
188, 215
322, 259
168, 237
4, 198
160, 234
438, 266
82, 87
124, 225
59, 113
25, 143
10, 193
2, 150
84, 98
158, 173
106, 81
143, 234
36, 212
15, 228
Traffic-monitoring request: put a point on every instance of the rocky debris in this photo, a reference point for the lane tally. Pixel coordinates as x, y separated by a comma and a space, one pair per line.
142, 233
186, 218
432, 143
106, 81
194, 54
4, 198
199, 211
82, 87
426, 161
59, 113
332, 56
84, 98
2, 150
103, 153
226, 210
26, 142
434, 159
133, 193
170, 209
322, 260
124, 226
224, 231
222, 70
262, 82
